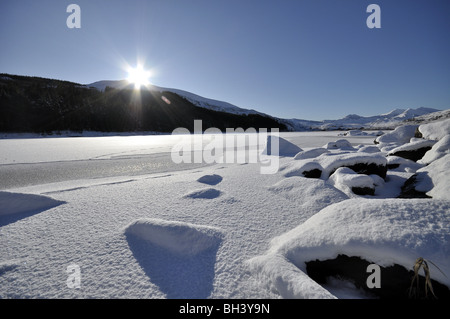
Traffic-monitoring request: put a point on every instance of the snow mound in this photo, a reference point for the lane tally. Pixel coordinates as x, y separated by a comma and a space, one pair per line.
369, 149
400, 164
207, 193
349, 182
401, 135
213, 179
278, 274
17, 203
385, 232
177, 237
327, 163
362, 163
413, 150
285, 148
339, 144
435, 130
415, 144
312, 153
304, 168
440, 149
433, 179
308, 192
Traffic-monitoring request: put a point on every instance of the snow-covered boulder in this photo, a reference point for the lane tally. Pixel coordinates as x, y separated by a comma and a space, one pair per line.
389, 232
304, 168
361, 163
339, 145
401, 164
285, 148
435, 130
434, 180
413, 150
401, 135
326, 164
348, 181
440, 149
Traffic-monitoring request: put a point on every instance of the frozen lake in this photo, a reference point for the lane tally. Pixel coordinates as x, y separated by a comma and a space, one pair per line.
34, 161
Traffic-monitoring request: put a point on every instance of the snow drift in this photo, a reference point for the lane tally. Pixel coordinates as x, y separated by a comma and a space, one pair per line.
285, 148
177, 237
15, 206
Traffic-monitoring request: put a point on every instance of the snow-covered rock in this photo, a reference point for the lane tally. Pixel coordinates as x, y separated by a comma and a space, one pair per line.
305, 168
400, 164
434, 180
397, 137
361, 133
339, 144
328, 163
361, 163
413, 150
435, 130
440, 149
384, 232
350, 183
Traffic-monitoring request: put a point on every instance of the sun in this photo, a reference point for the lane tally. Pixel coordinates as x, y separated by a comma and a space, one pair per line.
138, 76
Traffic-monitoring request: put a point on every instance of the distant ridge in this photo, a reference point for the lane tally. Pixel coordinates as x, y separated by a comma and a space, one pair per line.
388, 120
35, 104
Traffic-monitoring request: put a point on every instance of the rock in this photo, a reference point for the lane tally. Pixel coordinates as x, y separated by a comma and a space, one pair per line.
339, 144
346, 179
395, 280
435, 130
409, 189
303, 168
363, 191
414, 150
439, 150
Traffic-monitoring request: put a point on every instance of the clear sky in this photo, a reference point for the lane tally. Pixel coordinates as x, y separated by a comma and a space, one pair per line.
306, 59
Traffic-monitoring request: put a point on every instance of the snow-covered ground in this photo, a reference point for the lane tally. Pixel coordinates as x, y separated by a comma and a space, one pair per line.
216, 231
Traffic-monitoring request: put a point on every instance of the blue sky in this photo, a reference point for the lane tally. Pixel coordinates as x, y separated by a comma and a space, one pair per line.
307, 59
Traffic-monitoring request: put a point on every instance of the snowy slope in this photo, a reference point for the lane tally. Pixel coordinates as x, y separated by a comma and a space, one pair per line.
191, 97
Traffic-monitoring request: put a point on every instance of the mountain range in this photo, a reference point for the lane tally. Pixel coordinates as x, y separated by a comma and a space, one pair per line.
388, 120
35, 104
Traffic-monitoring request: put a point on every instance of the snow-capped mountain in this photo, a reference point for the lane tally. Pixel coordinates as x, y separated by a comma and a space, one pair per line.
388, 120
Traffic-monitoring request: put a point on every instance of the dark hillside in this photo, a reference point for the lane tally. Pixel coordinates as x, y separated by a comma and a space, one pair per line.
33, 104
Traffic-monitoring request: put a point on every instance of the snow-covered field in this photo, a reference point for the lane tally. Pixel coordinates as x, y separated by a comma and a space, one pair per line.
222, 230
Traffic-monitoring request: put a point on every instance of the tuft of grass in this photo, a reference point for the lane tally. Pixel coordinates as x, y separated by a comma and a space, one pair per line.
422, 263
